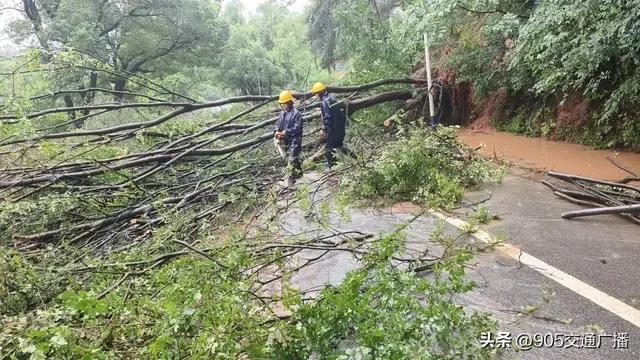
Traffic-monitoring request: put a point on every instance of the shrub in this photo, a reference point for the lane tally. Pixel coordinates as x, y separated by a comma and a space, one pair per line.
383, 312
192, 308
427, 167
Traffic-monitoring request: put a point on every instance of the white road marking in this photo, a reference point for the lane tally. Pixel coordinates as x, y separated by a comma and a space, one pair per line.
602, 299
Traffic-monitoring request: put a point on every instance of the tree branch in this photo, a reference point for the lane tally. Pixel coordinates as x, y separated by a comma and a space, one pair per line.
496, 11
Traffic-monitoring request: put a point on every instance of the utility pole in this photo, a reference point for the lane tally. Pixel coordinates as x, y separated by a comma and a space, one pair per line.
427, 64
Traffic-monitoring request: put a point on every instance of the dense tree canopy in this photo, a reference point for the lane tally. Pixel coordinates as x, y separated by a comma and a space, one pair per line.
267, 52
140, 215
520, 46
549, 49
134, 36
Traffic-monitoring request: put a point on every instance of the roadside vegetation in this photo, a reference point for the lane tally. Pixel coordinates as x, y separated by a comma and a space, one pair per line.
139, 218
193, 307
424, 166
565, 69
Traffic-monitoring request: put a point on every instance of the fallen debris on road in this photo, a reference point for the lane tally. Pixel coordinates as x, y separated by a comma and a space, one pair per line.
603, 197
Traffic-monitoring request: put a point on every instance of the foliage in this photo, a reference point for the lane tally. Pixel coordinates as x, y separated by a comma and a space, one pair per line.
366, 36
20, 285
598, 32
356, 31
133, 36
34, 215
384, 38
539, 51
16, 88
482, 52
425, 166
381, 312
192, 307
482, 215
267, 52
185, 46
370, 119
322, 30
538, 122
591, 48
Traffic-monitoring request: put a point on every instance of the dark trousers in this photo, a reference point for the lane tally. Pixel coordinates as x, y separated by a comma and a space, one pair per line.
294, 165
334, 142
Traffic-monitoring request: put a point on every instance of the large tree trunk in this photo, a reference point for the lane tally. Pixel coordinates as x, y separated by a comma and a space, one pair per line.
33, 14
120, 85
93, 83
68, 102
377, 99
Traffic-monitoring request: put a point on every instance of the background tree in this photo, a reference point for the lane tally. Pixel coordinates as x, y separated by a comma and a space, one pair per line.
323, 30
330, 21
267, 52
133, 37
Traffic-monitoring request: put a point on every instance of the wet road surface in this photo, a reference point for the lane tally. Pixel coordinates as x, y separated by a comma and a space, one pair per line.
600, 252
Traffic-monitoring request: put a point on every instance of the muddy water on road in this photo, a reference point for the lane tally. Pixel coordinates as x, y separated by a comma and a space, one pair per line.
542, 154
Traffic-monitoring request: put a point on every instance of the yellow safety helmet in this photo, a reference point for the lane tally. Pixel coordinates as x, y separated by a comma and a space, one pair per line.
285, 97
317, 88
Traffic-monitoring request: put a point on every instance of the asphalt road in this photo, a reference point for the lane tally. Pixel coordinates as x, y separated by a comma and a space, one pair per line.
599, 251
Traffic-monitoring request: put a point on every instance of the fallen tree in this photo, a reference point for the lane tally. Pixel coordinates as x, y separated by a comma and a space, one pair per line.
602, 197
162, 222
140, 186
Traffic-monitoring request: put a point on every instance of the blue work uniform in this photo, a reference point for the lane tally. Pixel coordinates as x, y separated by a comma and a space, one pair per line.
291, 121
334, 120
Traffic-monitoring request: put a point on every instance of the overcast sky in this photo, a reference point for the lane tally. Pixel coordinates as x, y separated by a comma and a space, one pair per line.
7, 15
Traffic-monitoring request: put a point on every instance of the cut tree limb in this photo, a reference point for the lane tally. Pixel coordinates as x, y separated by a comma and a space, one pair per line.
602, 211
605, 197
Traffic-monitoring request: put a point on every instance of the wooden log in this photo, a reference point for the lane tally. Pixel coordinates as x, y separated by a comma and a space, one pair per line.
571, 178
602, 211
378, 99
576, 201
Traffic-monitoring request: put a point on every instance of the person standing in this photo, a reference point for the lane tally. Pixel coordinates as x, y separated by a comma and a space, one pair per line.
288, 136
334, 120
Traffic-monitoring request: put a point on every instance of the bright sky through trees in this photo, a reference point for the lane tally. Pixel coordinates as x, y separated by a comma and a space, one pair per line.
251, 5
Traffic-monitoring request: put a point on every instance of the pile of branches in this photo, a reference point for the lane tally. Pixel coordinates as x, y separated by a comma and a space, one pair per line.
270, 260
175, 174
601, 197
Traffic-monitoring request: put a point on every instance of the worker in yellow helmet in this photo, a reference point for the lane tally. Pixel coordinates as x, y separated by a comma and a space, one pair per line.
288, 136
334, 120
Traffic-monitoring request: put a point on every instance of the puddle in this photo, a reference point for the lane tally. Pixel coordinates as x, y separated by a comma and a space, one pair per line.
542, 154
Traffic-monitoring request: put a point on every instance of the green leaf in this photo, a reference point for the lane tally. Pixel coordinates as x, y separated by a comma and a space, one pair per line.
58, 340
